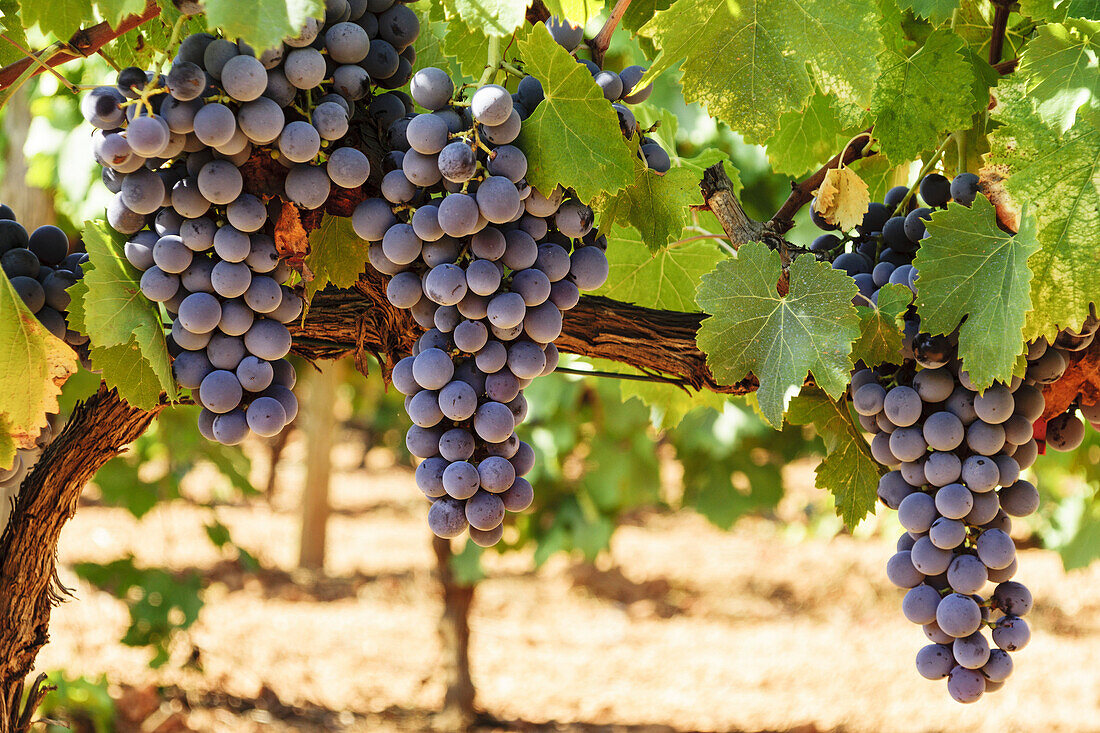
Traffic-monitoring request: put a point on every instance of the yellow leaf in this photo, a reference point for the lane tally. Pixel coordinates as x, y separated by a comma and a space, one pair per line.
842, 198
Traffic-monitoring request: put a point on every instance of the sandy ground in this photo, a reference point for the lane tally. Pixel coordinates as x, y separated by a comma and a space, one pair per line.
682, 628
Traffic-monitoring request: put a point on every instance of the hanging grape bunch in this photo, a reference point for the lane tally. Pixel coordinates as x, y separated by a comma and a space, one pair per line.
172, 147
618, 88
487, 264
41, 270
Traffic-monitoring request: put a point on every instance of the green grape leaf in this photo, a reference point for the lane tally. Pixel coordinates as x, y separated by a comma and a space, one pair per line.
658, 205
749, 63
848, 472
970, 268
880, 326
467, 46
1055, 11
572, 139
62, 18
641, 12
937, 11
665, 279
126, 334
33, 365
806, 138
13, 29
143, 45
1060, 66
336, 255
8, 448
490, 17
429, 45
920, 97
261, 24
1057, 176
115, 10
578, 11
778, 338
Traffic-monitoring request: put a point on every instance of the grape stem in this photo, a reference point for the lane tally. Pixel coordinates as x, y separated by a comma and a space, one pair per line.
600, 43
494, 62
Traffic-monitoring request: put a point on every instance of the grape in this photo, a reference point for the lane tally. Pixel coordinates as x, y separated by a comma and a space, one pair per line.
190, 368
935, 661
971, 651
347, 43
427, 134
219, 182
506, 310
533, 285
917, 512
983, 438
489, 243
543, 323
521, 251
230, 428
493, 422
461, 480
383, 61
230, 279
985, 509
372, 219
902, 405
526, 360
308, 186
497, 199
1011, 633
921, 603
404, 290
573, 219
445, 284
995, 405
200, 313
995, 549
456, 444
286, 399
610, 84
907, 444
929, 559
868, 399
1008, 469
348, 167
967, 574
396, 188
236, 319
1018, 430
268, 339
255, 375
589, 268
947, 534
509, 162
399, 26
304, 68
553, 260
266, 417
954, 501
492, 357
352, 82
432, 368
139, 254
892, 489
429, 476
231, 244
935, 190
264, 295
142, 192
470, 336
247, 214
565, 34
1048, 368
220, 391
148, 136
961, 405
158, 285
244, 78
457, 162
958, 615
999, 666
1020, 498
1065, 432
900, 571
225, 352
942, 468
630, 76
484, 510
458, 401
505, 132
486, 538
482, 277
187, 340
1013, 598
431, 88
491, 104
965, 685
421, 442
447, 518
964, 188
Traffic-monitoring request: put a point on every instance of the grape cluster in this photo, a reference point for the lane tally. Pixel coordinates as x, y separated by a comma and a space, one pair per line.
41, 270
11, 479
487, 264
618, 88
882, 247
955, 455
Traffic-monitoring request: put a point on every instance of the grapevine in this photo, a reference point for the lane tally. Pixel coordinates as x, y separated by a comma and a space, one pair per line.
465, 193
